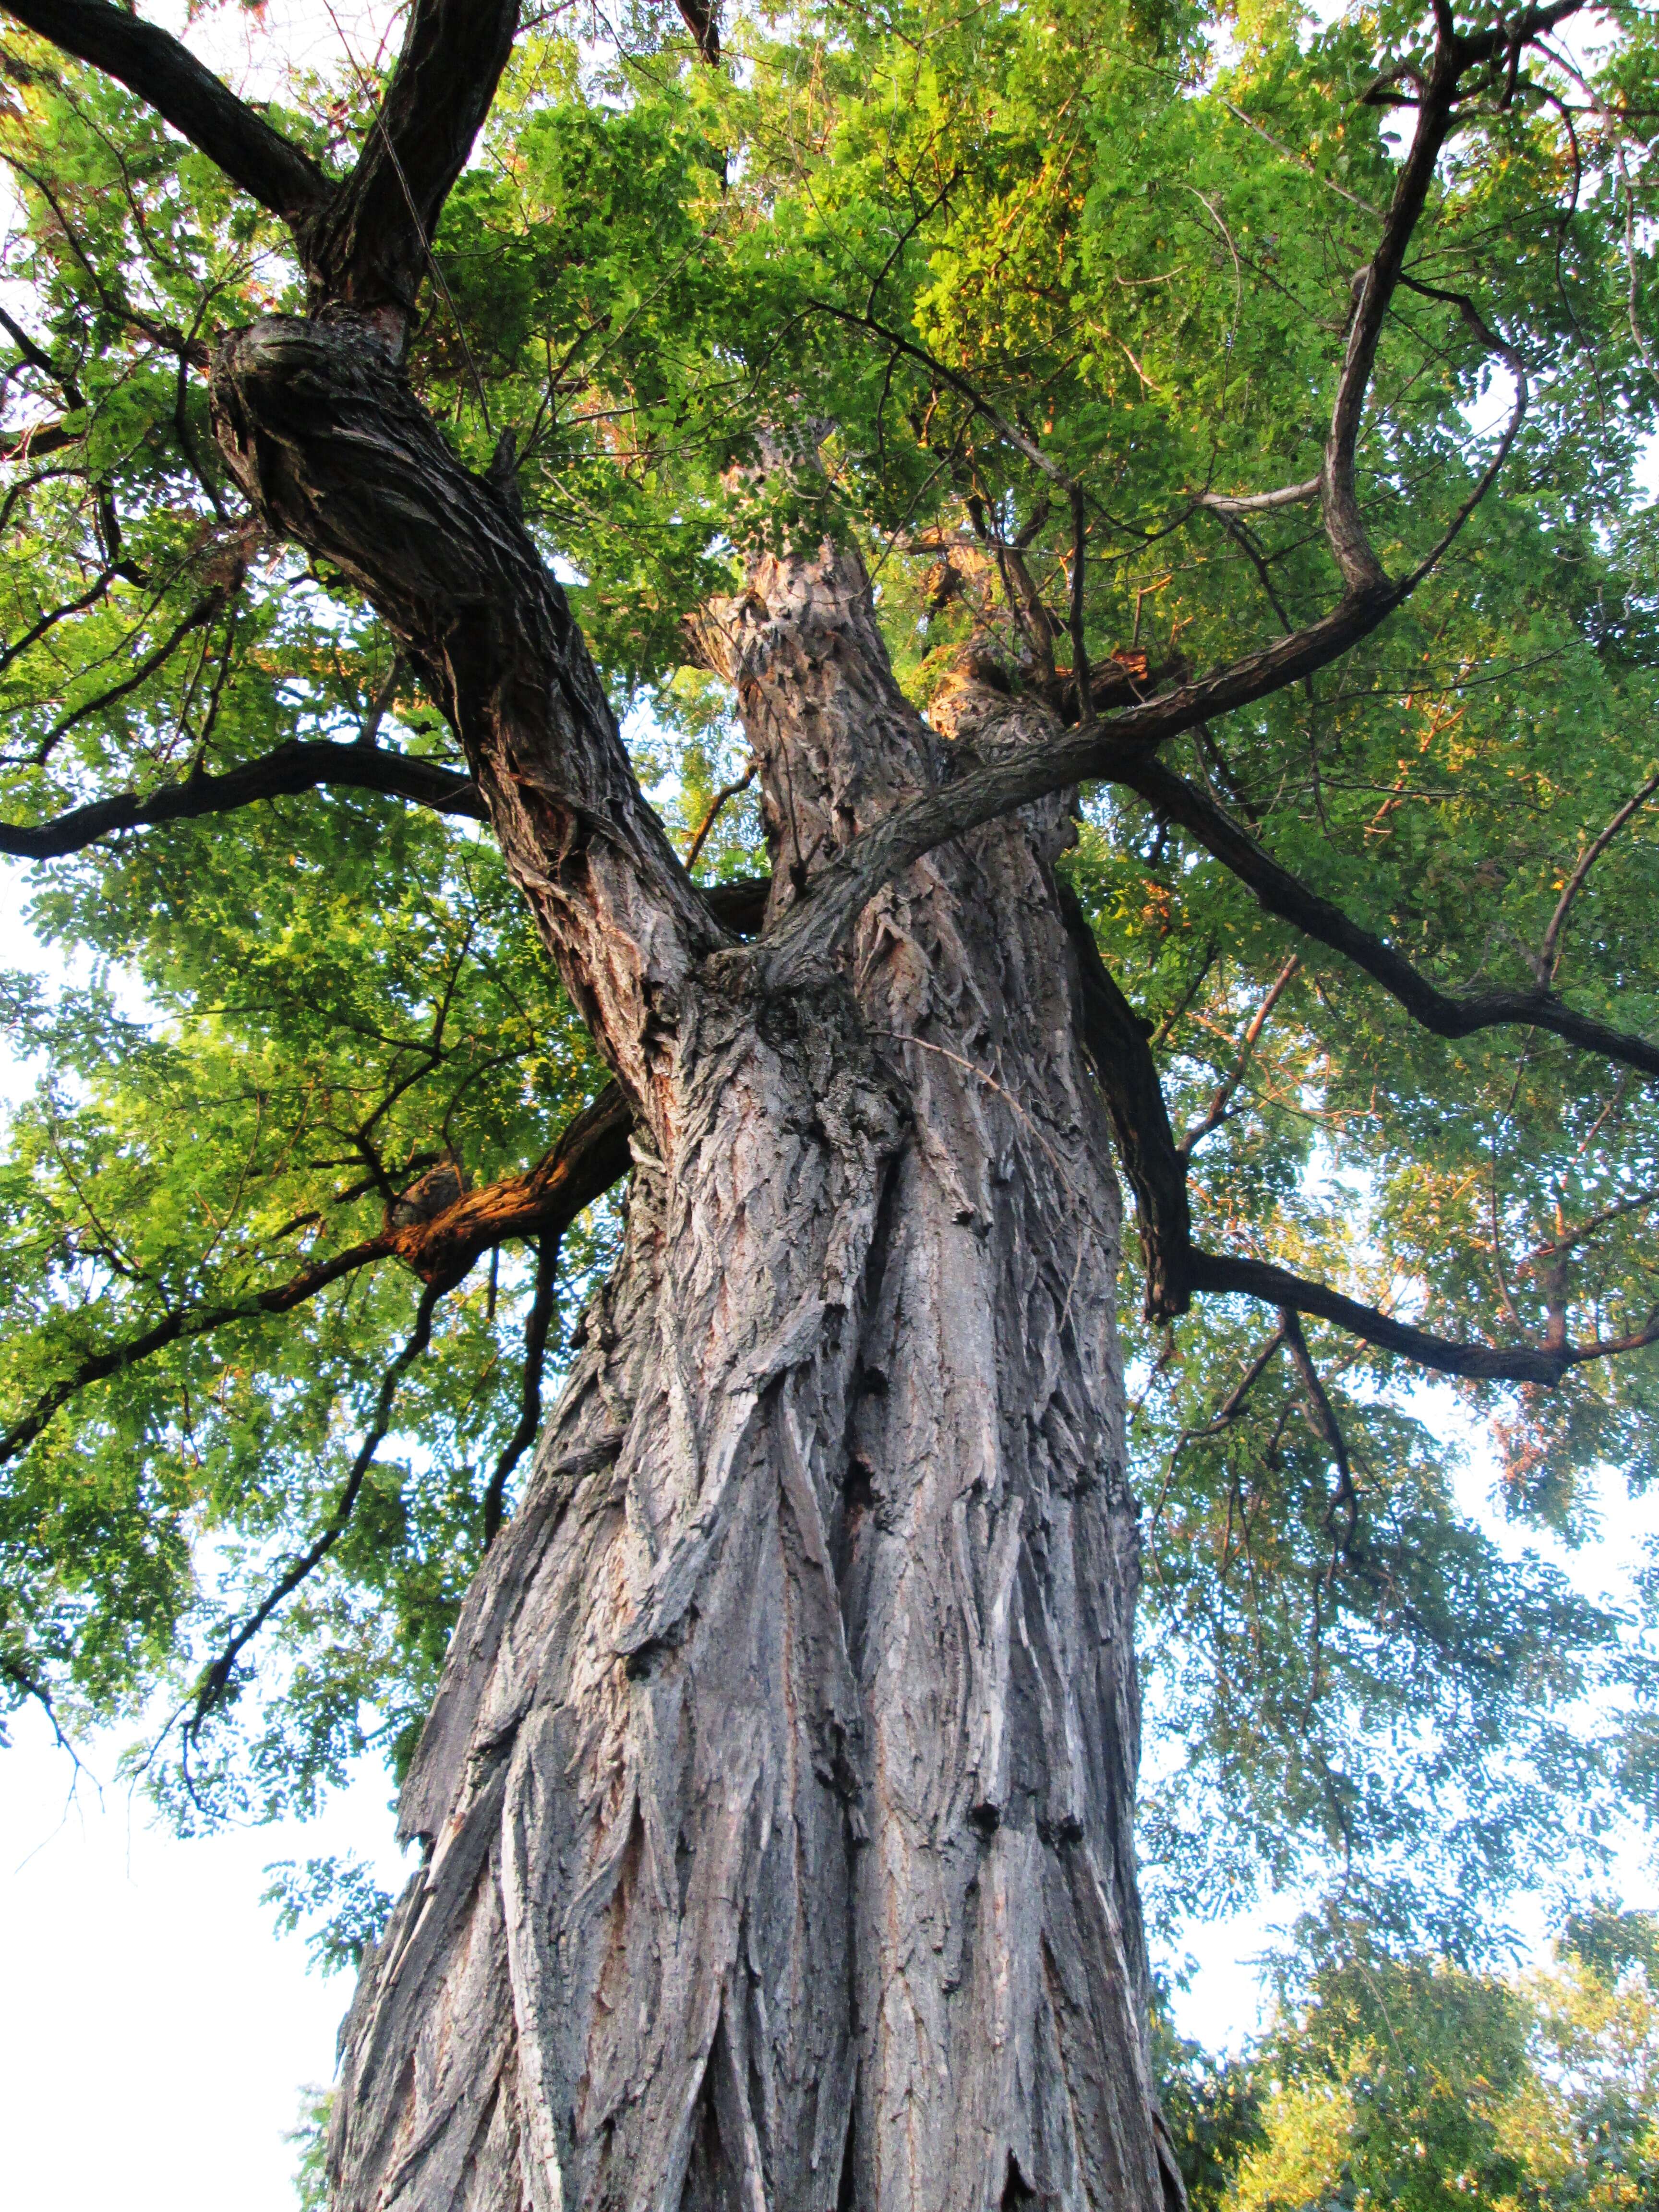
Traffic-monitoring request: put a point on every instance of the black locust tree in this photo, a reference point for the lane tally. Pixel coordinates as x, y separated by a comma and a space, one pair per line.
776, 1803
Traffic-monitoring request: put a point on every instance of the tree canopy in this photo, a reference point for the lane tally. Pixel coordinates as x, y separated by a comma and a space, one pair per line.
1053, 305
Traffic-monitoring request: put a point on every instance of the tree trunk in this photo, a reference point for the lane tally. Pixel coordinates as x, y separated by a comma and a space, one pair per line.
777, 1800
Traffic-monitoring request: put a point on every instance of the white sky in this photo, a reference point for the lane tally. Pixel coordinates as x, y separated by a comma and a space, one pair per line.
156, 2034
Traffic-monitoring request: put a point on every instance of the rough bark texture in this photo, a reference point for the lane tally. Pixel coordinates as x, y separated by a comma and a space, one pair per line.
780, 1789
778, 1795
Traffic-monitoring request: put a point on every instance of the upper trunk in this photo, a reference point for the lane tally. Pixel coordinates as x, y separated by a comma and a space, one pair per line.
778, 1794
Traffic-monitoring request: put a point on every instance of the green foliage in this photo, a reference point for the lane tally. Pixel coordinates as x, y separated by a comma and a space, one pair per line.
310, 2139
922, 241
345, 1892
1405, 2083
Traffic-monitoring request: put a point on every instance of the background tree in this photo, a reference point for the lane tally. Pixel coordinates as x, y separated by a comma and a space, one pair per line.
1406, 2081
1284, 636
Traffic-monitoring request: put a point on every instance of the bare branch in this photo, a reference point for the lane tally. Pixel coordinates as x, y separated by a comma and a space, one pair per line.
41, 439
1116, 1039
1374, 288
1325, 1420
700, 19
30, 1686
1223, 1274
1263, 502
206, 610
1114, 749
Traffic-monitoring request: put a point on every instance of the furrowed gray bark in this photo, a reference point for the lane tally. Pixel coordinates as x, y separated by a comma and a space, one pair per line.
779, 1792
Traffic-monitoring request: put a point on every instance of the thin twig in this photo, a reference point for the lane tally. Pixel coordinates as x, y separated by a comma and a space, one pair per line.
1216, 1113
1549, 952
727, 791
217, 1678
535, 1355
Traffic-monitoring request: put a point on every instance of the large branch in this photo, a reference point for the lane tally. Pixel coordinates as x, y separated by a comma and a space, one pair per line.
159, 70
1107, 751
1220, 1272
1114, 1037
319, 427
1283, 894
365, 243
591, 1156
278, 775
374, 245
1115, 1040
739, 906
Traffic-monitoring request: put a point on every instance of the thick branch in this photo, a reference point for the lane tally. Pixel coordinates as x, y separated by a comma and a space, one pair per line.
1286, 896
1116, 1042
321, 430
1114, 749
1221, 1273
1374, 287
1114, 1037
365, 243
278, 775
702, 22
372, 250
153, 65
591, 1156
